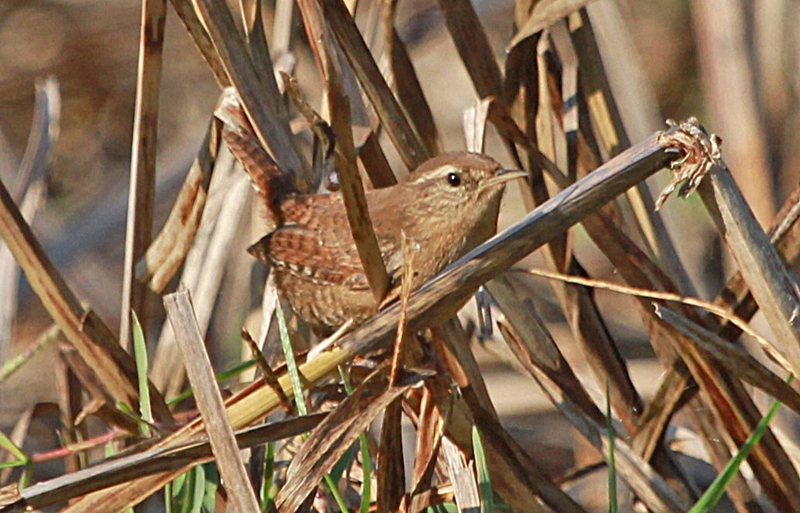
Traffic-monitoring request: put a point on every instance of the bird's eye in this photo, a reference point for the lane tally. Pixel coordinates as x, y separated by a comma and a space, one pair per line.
453, 179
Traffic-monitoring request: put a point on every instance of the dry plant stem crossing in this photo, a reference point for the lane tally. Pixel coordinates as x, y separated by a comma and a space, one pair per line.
712, 308
157, 460
264, 112
455, 284
428, 303
397, 127
209, 401
773, 289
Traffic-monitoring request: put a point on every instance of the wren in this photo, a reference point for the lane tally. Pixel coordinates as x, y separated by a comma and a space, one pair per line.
446, 207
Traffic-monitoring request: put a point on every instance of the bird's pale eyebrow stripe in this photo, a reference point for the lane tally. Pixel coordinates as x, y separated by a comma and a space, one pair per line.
427, 177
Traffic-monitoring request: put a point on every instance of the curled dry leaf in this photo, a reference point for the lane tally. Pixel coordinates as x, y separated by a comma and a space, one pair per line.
701, 152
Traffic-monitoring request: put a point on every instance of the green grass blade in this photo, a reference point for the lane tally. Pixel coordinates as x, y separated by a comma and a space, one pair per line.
20, 459
717, 489
269, 472
291, 363
198, 491
168, 498
482, 467
140, 355
210, 485
366, 458
11, 447
366, 464
337, 495
297, 390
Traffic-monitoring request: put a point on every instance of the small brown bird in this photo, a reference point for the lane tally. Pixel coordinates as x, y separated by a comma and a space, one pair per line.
448, 206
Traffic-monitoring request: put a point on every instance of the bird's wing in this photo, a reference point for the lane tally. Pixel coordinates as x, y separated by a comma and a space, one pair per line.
317, 244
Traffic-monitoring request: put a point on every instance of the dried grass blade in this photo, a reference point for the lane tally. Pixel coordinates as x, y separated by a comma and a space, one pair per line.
726, 395
784, 236
564, 48
170, 247
733, 409
473, 46
704, 423
465, 488
474, 122
391, 477
734, 358
397, 127
141, 197
219, 249
282, 26
201, 39
584, 318
332, 62
613, 136
717, 489
209, 401
430, 430
452, 343
549, 135
767, 277
355, 200
543, 15
406, 83
270, 378
399, 351
593, 337
70, 394
99, 400
766, 346
257, 41
374, 163
452, 348
659, 411
517, 478
537, 349
553, 128
334, 436
203, 270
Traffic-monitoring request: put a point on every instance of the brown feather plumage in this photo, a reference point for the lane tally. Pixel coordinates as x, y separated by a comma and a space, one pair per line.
446, 207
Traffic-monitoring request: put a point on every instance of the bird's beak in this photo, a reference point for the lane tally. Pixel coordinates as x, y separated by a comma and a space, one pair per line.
505, 175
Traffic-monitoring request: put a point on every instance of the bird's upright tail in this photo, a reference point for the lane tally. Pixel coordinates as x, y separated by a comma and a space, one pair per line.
268, 179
